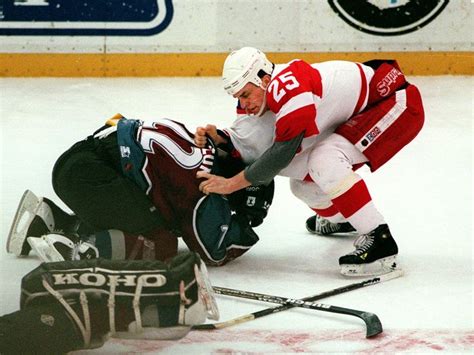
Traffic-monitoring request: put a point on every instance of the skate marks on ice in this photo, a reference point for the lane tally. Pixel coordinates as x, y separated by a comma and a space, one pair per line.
260, 341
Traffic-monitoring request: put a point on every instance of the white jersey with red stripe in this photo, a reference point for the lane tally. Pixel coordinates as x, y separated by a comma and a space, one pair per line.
316, 98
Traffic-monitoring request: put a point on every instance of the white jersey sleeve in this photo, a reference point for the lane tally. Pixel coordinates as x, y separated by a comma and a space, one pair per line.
252, 135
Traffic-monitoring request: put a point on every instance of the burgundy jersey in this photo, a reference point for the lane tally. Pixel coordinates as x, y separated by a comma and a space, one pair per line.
165, 166
170, 167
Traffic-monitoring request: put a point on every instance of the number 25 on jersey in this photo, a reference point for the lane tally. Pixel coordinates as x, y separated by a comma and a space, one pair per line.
282, 84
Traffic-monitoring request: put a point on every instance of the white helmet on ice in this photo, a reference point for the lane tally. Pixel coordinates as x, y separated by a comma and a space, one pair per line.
243, 66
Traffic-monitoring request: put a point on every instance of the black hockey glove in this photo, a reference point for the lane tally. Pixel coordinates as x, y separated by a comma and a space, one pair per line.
253, 202
247, 234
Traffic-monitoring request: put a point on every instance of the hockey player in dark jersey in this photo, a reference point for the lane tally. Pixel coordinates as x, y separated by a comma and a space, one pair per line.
139, 178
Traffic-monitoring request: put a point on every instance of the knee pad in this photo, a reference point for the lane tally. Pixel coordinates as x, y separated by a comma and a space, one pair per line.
332, 160
310, 193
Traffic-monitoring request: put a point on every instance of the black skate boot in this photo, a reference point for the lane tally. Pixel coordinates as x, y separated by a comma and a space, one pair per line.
61, 247
375, 254
319, 225
36, 216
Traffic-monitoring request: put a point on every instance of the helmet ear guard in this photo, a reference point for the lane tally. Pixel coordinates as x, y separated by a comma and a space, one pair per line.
246, 65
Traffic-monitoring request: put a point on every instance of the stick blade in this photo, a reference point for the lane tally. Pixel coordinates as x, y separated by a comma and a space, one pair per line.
372, 321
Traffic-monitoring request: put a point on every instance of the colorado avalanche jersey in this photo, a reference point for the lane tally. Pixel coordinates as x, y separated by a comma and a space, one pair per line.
161, 158
171, 163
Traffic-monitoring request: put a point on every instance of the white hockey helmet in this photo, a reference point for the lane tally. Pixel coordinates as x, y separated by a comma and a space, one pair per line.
242, 67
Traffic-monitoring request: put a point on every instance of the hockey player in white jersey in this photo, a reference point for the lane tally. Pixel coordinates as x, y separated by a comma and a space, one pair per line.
330, 118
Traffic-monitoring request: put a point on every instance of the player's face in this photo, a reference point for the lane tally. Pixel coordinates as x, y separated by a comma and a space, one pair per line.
251, 98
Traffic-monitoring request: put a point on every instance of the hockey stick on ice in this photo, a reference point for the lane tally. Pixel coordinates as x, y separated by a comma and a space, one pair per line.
372, 322
271, 310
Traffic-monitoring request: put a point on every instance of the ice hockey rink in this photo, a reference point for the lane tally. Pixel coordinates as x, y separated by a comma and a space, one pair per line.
425, 194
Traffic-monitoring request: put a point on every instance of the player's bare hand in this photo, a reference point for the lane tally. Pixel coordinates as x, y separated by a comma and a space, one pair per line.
209, 131
213, 184
200, 138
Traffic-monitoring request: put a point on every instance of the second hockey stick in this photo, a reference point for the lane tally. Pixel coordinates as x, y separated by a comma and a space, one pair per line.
271, 310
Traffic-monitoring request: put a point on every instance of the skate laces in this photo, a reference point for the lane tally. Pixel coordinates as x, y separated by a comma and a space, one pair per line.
69, 253
363, 244
79, 250
324, 226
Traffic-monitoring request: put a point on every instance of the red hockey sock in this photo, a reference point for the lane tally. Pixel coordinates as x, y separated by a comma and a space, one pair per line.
351, 201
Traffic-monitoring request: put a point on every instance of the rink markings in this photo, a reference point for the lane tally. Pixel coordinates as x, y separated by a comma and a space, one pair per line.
291, 341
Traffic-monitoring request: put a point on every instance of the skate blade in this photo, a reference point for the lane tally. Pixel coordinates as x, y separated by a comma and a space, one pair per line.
376, 268
24, 215
45, 251
206, 292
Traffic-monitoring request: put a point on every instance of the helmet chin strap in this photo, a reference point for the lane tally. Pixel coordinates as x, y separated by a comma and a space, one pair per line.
264, 102
262, 108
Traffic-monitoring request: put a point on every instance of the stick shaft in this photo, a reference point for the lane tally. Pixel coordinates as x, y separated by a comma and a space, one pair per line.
276, 299
271, 310
372, 322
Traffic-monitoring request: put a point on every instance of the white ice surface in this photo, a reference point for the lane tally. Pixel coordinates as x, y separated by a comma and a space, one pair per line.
425, 194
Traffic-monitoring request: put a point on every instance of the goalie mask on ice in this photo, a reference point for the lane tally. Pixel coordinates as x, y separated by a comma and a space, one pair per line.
129, 299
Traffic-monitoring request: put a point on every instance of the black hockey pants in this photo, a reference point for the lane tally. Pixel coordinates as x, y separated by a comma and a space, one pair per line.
89, 180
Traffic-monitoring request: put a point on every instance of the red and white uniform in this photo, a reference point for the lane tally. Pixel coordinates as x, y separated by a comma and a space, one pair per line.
374, 113
316, 98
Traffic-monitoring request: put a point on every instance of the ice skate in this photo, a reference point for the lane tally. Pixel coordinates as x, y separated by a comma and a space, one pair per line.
319, 225
375, 254
33, 217
58, 247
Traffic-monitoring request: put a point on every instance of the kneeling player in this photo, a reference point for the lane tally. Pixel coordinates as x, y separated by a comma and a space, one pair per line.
73, 305
139, 178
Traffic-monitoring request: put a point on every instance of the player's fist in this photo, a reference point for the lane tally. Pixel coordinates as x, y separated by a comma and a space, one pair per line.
200, 137
209, 131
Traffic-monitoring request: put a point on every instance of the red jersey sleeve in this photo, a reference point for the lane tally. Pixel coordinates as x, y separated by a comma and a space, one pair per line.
290, 96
